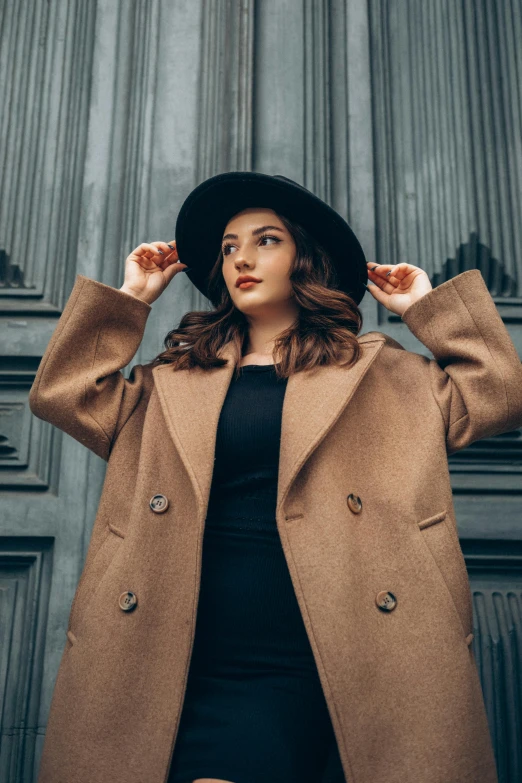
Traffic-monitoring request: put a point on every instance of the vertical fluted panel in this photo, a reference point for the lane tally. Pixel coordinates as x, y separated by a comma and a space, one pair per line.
116, 211
335, 148
226, 88
448, 136
142, 39
46, 51
497, 646
317, 109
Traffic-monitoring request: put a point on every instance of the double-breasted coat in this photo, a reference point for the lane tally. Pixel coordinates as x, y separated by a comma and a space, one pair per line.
365, 517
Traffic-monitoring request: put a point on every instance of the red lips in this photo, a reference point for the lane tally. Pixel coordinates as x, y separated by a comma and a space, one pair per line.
246, 279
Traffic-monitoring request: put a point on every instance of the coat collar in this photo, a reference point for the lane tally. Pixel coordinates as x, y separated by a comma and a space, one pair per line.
191, 401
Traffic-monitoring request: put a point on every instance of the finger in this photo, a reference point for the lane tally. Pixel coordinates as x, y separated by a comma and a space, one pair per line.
403, 275
165, 246
380, 278
398, 270
171, 245
403, 270
149, 250
172, 258
380, 270
165, 251
170, 253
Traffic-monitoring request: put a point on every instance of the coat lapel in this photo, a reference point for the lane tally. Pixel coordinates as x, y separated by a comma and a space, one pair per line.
191, 401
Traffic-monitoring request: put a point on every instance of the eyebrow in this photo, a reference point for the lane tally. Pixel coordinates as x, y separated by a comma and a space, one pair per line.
255, 232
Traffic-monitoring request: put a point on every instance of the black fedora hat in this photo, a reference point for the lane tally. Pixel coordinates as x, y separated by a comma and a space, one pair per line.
208, 208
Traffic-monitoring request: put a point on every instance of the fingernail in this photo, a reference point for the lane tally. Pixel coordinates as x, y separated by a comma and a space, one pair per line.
388, 273
160, 251
374, 267
171, 246
187, 269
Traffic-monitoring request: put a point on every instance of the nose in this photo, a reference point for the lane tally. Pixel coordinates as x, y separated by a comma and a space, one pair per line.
243, 263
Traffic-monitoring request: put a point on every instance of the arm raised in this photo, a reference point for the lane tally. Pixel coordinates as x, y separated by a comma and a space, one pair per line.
79, 386
476, 377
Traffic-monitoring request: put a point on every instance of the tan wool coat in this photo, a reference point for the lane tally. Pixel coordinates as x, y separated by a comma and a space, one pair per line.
366, 521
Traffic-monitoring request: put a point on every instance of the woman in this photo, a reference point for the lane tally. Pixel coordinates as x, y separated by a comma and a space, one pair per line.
274, 588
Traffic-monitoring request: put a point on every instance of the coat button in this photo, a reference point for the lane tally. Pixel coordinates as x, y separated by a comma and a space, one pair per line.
386, 601
354, 503
159, 504
128, 601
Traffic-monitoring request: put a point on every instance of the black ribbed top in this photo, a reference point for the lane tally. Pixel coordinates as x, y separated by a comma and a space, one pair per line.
244, 485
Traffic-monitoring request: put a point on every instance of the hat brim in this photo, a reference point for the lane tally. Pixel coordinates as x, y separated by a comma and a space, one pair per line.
208, 208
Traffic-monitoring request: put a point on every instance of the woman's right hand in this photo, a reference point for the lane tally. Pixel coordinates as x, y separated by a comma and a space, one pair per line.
149, 271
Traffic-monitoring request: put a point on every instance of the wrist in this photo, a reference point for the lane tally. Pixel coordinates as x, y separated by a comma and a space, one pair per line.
128, 291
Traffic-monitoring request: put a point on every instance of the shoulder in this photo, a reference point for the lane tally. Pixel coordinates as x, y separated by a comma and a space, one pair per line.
393, 355
380, 337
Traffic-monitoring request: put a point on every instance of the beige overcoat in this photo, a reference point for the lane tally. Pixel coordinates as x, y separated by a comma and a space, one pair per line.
366, 521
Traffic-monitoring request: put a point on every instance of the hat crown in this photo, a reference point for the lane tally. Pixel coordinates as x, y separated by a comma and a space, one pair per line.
281, 176
293, 182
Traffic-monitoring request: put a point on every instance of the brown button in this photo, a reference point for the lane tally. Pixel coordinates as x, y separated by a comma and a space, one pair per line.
385, 600
159, 503
354, 503
128, 601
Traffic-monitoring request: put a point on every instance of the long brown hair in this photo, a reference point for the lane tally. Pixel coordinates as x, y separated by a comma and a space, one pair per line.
327, 325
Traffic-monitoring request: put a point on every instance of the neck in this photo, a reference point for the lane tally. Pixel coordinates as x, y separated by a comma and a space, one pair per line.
262, 337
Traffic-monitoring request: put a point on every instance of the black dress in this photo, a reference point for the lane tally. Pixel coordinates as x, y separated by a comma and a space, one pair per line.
254, 709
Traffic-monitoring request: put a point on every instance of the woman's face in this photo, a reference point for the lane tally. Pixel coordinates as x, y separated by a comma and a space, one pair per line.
255, 242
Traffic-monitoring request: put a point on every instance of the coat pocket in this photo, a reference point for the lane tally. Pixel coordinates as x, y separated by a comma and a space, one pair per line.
440, 536
93, 574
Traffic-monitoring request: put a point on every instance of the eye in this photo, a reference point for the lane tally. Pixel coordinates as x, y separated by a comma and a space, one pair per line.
228, 245
269, 236
225, 248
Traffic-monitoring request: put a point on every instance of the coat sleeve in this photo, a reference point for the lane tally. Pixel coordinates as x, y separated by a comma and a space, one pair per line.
476, 377
79, 386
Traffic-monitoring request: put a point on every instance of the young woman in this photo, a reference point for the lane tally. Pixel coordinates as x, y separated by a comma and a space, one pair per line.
274, 590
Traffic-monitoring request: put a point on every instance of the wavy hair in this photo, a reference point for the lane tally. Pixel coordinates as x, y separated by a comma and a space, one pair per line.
327, 323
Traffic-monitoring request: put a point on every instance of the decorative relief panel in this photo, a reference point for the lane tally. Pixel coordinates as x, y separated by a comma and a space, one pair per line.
11, 275
25, 579
23, 468
448, 139
495, 572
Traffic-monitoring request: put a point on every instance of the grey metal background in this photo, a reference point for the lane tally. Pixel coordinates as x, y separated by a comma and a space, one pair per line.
405, 115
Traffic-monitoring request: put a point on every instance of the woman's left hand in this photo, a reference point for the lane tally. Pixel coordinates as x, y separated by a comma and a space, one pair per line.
397, 286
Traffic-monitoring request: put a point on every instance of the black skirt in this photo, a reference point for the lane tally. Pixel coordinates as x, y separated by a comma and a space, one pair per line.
254, 709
